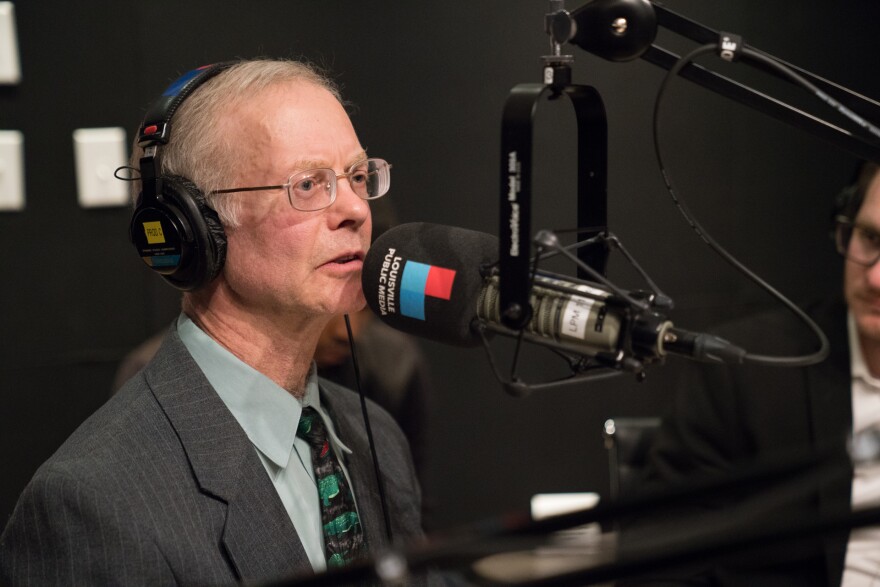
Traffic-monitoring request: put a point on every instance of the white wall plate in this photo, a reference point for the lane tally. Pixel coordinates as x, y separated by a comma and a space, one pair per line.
99, 152
11, 170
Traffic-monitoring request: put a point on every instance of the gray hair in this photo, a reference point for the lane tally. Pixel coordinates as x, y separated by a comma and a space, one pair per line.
199, 150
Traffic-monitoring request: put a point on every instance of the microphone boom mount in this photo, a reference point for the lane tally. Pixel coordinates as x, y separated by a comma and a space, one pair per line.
516, 177
622, 30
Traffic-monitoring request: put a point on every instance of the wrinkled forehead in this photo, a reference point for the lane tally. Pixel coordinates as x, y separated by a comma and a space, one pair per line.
294, 97
287, 127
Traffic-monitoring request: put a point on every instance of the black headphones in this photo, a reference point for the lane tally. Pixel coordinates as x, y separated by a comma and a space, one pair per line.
850, 199
847, 202
173, 229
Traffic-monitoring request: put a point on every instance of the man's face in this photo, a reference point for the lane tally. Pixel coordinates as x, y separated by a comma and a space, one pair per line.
282, 261
861, 283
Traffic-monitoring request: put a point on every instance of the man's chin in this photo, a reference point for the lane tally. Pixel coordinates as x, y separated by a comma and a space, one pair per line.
868, 324
359, 303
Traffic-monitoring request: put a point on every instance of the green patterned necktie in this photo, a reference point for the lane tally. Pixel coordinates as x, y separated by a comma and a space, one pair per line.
343, 535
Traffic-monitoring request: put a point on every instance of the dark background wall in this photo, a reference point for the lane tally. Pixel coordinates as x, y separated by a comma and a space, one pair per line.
428, 81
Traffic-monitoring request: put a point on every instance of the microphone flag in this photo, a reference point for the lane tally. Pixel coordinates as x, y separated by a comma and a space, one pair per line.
420, 280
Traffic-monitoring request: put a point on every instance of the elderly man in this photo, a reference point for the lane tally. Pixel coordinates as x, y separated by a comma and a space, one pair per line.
226, 459
726, 418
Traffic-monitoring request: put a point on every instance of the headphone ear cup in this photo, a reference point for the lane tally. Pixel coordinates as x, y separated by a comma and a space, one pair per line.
179, 236
215, 231
208, 237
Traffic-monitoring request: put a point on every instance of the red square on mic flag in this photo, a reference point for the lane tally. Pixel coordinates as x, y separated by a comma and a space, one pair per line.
439, 283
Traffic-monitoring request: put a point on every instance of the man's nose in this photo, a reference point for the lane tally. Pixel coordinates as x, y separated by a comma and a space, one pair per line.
872, 274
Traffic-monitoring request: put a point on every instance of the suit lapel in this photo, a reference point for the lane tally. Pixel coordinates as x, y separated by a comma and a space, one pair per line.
360, 468
829, 384
258, 536
830, 395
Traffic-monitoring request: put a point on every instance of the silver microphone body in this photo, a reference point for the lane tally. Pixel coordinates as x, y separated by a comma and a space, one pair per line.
584, 323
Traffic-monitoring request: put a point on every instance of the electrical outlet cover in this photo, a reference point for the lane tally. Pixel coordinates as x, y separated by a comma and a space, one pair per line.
99, 152
11, 170
10, 68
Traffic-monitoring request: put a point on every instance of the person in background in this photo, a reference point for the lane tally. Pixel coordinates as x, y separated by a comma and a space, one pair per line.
226, 459
727, 418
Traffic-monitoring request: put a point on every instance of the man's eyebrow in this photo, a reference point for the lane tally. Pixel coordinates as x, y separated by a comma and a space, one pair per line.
359, 157
306, 164
872, 228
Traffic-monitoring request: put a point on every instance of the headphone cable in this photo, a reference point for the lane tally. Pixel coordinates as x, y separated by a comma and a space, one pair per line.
379, 480
788, 361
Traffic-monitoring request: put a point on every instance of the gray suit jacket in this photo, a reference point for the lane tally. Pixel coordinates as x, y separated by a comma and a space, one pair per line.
162, 487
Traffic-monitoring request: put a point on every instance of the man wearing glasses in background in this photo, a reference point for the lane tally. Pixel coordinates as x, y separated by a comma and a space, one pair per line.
199, 471
725, 418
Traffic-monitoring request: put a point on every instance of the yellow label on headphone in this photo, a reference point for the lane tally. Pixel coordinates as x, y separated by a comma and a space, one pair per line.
154, 233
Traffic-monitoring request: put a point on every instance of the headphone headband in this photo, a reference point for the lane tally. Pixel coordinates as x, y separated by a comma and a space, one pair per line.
173, 229
156, 126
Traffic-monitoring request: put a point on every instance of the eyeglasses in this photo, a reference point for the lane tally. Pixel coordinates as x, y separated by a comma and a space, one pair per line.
857, 243
315, 189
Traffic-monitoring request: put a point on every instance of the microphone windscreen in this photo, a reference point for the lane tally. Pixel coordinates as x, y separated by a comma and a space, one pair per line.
425, 279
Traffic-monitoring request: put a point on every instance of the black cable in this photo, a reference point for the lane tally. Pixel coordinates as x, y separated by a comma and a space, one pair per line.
379, 480
797, 361
800, 80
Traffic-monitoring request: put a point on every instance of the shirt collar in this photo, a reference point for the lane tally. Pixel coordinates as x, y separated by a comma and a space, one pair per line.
267, 412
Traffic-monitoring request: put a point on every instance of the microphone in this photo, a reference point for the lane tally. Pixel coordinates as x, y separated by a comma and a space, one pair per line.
440, 283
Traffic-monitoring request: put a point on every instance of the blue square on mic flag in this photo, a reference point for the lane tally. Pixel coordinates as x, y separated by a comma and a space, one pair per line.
412, 289
420, 280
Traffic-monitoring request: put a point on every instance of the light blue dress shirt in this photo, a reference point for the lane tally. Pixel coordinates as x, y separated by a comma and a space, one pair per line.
269, 416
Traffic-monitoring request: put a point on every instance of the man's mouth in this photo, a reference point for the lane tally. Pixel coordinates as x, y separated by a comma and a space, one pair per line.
871, 302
